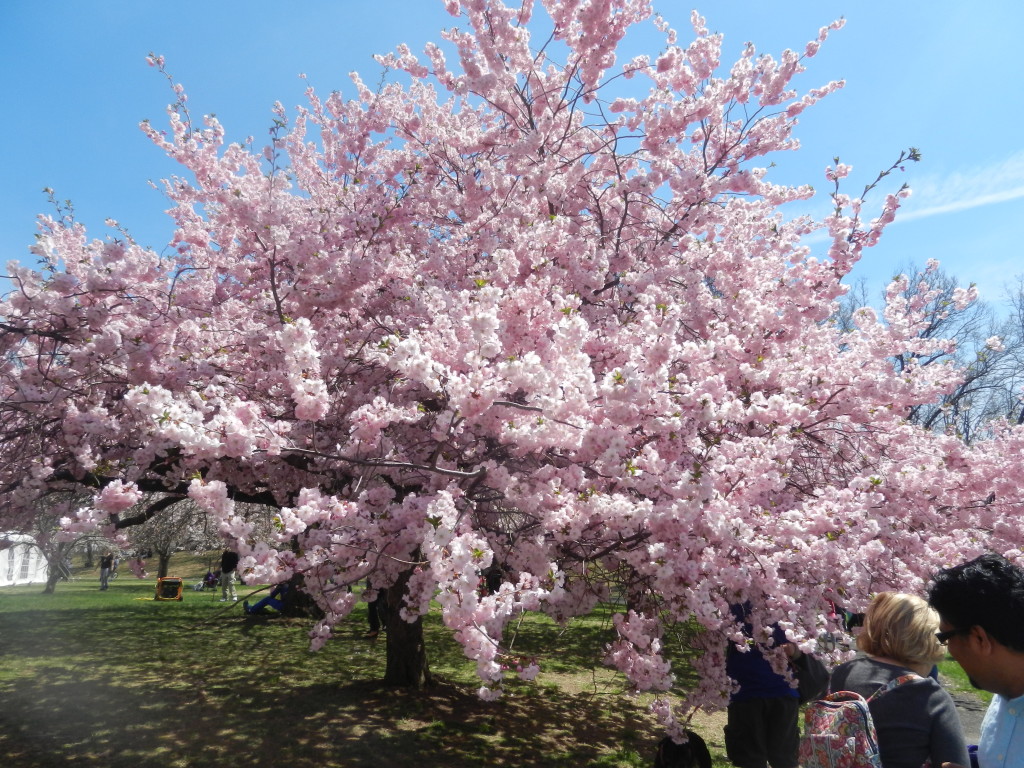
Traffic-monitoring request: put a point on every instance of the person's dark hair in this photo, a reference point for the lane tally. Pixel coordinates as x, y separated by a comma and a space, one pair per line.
693, 754
987, 592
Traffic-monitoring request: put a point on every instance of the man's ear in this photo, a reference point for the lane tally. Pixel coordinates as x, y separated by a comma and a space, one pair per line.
982, 640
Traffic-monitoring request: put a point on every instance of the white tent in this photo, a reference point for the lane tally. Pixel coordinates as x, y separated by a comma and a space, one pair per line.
21, 560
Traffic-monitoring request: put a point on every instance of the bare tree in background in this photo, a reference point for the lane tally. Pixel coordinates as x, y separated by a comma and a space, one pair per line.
56, 544
989, 346
184, 526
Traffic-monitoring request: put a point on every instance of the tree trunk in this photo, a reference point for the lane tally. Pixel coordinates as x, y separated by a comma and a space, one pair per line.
406, 650
88, 554
56, 567
164, 560
298, 604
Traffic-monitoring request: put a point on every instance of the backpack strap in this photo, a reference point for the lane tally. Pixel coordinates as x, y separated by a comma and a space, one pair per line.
895, 682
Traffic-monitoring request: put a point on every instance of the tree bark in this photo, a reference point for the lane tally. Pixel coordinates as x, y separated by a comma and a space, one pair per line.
407, 663
56, 567
164, 564
298, 604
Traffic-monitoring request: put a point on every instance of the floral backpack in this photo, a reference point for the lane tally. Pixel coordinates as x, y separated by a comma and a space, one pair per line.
839, 731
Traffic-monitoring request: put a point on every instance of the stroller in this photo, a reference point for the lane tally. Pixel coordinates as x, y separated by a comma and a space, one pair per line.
209, 581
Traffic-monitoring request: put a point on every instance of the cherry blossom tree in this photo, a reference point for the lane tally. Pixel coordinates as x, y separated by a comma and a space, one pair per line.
523, 305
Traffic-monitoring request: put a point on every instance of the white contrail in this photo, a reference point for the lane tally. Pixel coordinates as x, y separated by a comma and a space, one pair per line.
962, 205
997, 182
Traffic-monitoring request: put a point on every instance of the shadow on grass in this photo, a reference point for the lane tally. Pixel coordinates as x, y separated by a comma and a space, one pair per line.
116, 679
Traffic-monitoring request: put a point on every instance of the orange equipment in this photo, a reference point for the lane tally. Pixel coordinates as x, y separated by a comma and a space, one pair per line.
168, 588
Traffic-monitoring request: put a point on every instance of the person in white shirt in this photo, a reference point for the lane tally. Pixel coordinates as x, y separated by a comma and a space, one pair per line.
981, 620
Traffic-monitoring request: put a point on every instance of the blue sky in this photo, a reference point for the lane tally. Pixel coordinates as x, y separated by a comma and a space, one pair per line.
946, 80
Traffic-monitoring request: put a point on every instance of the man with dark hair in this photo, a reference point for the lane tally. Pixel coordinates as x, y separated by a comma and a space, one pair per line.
106, 566
981, 619
228, 575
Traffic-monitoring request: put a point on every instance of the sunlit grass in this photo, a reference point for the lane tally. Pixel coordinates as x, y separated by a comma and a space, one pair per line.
958, 679
116, 679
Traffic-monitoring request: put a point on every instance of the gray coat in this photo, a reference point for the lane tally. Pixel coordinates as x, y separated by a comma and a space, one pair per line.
915, 721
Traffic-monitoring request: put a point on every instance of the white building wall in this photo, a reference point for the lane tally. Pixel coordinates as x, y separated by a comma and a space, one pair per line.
21, 561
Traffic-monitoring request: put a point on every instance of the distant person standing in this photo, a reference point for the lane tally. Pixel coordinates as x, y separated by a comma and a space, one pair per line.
106, 566
377, 612
228, 576
762, 726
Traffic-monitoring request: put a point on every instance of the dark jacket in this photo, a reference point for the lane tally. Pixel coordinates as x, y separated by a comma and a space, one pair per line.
752, 671
228, 561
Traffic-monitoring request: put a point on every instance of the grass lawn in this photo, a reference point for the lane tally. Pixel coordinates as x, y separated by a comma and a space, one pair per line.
112, 679
958, 681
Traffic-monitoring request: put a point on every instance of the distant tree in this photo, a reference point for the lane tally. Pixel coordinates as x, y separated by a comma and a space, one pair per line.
987, 348
1013, 393
498, 312
183, 525
55, 544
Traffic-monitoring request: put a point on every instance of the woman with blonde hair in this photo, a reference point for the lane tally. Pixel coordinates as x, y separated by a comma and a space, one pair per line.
916, 719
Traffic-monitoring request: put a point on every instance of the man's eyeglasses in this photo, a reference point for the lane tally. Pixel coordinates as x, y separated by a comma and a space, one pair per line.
944, 637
